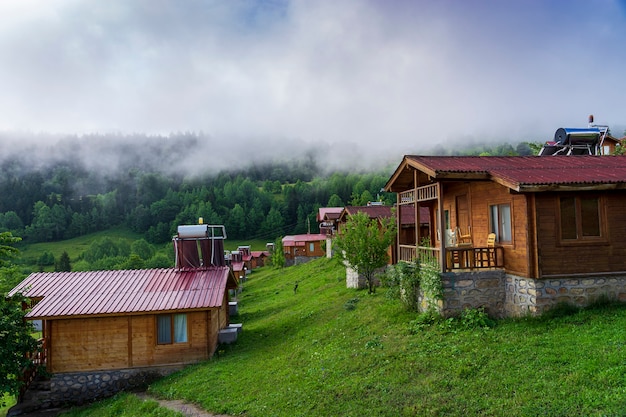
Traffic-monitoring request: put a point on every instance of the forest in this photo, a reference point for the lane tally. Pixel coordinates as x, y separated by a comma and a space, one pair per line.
68, 195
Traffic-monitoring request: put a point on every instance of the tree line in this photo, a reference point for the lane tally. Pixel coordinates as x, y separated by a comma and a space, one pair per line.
64, 197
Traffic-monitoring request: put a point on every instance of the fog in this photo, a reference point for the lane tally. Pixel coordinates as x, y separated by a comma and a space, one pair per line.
351, 81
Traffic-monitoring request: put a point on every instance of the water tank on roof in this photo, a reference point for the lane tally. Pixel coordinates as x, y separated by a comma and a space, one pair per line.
193, 231
577, 136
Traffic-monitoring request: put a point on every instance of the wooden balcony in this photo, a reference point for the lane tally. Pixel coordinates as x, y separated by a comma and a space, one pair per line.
425, 193
457, 257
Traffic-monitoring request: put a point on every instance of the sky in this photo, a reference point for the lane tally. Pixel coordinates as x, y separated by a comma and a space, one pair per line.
370, 77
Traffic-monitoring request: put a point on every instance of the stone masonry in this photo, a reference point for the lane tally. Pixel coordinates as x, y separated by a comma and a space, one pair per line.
506, 295
82, 387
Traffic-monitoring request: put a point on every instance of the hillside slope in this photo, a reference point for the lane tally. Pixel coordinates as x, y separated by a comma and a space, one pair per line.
324, 350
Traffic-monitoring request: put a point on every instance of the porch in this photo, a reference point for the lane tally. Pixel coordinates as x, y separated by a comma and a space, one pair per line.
462, 257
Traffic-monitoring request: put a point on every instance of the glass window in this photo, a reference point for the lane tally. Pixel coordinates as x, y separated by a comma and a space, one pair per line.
164, 329
500, 222
580, 217
311, 247
180, 328
171, 327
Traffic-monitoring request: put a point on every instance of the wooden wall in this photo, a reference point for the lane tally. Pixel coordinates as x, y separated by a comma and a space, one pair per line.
87, 344
606, 255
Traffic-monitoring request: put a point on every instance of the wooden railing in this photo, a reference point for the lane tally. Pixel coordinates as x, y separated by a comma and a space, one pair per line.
457, 258
37, 359
425, 193
470, 257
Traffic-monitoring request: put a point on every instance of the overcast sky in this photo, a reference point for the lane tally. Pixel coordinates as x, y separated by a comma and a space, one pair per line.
382, 75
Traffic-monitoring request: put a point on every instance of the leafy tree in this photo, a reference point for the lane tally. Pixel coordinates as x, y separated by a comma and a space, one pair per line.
46, 259
15, 343
273, 223
334, 201
63, 264
278, 255
363, 244
7, 250
142, 249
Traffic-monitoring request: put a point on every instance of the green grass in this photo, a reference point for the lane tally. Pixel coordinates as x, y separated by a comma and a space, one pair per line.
123, 405
30, 253
330, 351
10, 401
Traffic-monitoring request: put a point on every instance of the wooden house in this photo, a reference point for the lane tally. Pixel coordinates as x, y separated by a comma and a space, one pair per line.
259, 258
406, 229
557, 225
303, 248
103, 320
327, 219
131, 323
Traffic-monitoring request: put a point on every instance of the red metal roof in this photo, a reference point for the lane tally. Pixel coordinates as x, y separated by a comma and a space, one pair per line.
123, 292
527, 172
299, 240
374, 212
328, 213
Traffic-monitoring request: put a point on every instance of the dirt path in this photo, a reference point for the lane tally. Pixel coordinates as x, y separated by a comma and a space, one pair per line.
187, 409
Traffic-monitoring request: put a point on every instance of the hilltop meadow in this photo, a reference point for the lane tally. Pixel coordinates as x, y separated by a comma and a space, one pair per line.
325, 350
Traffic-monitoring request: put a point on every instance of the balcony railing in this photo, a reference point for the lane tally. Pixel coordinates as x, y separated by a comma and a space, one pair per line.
457, 257
425, 193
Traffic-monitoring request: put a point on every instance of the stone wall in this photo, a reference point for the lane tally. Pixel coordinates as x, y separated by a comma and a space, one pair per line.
473, 289
533, 296
83, 387
506, 295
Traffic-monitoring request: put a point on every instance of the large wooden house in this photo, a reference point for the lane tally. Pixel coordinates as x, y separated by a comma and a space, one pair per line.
518, 234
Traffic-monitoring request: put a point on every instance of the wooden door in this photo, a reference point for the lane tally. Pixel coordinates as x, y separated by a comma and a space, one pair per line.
462, 214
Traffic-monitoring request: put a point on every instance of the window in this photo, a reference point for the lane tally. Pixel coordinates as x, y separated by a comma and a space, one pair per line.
311, 247
500, 222
580, 217
171, 327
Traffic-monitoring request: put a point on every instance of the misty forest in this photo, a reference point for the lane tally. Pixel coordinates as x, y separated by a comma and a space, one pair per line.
58, 193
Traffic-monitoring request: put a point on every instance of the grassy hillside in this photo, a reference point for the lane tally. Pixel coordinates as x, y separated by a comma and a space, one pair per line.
325, 350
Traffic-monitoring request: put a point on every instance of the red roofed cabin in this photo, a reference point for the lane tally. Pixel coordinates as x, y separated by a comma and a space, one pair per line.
558, 225
302, 248
380, 211
112, 320
327, 218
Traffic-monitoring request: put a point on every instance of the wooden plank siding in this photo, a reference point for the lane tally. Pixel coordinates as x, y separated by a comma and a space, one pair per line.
119, 342
606, 255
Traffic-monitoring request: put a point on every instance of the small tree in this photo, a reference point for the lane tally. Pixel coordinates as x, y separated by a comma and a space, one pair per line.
363, 244
15, 343
63, 264
278, 255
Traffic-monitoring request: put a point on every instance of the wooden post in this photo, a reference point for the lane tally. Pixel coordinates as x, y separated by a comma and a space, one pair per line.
442, 230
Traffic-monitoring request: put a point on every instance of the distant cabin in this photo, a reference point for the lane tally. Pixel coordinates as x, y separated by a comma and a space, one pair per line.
302, 248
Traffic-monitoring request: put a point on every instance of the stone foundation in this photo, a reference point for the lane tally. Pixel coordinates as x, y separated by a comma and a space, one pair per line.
75, 388
471, 289
534, 296
506, 295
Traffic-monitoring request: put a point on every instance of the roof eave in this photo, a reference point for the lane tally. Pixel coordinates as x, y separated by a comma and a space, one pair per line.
527, 188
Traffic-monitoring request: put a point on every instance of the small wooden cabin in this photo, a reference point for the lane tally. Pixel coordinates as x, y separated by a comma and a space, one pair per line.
259, 258
555, 218
302, 248
107, 320
327, 219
